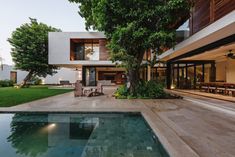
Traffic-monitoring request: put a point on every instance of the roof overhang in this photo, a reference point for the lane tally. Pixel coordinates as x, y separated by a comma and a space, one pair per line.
223, 29
77, 64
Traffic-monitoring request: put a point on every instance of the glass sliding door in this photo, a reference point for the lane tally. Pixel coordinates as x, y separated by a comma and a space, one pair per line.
190, 76
175, 76
91, 51
187, 75
199, 74
90, 76
79, 51
207, 73
84, 49
182, 76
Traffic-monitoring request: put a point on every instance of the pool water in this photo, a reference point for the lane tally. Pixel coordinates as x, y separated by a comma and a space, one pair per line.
77, 135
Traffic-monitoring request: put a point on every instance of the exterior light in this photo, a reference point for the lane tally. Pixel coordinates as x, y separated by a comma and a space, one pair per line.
51, 126
43, 81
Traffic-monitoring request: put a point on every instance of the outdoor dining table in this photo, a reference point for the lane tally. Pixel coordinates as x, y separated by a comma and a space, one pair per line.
218, 87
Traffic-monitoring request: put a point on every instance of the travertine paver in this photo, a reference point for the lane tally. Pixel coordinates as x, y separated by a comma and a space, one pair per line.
184, 128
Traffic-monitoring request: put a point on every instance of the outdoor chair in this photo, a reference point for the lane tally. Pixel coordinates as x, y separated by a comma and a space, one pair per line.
95, 91
65, 83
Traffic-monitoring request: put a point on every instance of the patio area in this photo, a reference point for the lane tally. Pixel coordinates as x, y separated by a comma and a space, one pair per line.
189, 127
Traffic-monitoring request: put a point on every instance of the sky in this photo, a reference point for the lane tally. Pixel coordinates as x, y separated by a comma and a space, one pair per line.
57, 13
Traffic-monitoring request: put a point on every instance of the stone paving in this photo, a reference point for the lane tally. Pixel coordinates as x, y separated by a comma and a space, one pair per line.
190, 127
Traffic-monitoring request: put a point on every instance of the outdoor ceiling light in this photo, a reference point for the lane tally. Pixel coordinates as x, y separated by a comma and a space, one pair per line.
230, 54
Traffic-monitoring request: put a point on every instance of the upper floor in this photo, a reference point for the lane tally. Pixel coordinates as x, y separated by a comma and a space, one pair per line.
78, 48
212, 23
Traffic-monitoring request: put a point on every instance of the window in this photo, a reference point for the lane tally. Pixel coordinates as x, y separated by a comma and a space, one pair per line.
86, 49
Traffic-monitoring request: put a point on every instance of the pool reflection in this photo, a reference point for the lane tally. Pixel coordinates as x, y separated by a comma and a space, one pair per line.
80, 135
25, 136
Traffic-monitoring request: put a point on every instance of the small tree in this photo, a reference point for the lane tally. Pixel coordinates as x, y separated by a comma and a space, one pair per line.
30, 49
134, 27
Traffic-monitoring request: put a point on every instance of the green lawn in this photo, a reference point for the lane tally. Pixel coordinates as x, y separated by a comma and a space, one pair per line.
10, 96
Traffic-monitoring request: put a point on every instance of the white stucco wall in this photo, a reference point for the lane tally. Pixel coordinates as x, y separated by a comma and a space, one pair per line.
5, 72
59, 48
21, 75
62, 74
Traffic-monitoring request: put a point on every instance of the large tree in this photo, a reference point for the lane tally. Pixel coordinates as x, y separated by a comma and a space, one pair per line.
134, 27
30, 49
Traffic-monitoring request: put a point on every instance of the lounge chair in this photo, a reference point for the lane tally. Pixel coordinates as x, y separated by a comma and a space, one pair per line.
96, 91
65, 83
78, 91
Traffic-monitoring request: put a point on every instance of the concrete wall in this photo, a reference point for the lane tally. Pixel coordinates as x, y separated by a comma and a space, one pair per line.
230, 71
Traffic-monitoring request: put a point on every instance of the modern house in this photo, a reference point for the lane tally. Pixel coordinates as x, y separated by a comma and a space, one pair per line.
204, 53
208, 54
86, 53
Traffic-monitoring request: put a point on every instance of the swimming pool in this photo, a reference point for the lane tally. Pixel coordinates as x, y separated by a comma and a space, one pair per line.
77, 135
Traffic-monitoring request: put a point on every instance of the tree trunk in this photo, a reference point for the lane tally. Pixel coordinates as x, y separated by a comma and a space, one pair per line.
26, 79
133, 74
133, 79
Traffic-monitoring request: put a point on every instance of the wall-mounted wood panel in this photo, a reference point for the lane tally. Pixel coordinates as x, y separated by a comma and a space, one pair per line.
200, 15
206, 12
223, 7
104, 54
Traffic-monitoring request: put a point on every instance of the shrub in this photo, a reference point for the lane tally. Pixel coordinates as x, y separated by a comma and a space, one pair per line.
37, 81
6, 83
122, 92
150, 89
145, 90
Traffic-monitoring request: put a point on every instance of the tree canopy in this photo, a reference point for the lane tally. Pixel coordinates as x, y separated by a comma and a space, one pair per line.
30, 49
135, 26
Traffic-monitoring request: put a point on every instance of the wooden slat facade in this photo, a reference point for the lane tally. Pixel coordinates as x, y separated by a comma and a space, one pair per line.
206, 12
